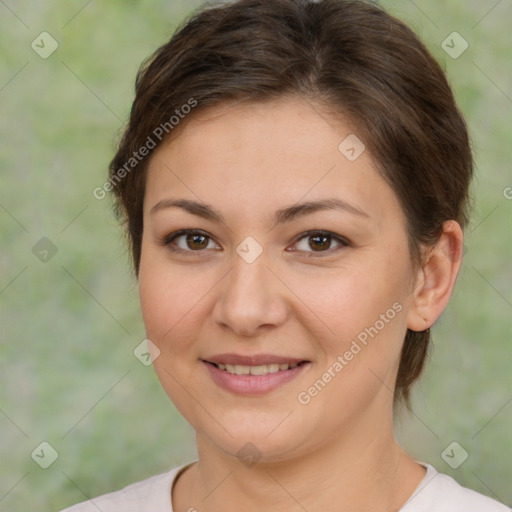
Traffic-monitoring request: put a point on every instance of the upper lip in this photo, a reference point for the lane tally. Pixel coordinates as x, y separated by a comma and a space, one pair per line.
251, 360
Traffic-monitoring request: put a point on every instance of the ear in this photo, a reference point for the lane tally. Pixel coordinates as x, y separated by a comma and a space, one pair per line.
436, 279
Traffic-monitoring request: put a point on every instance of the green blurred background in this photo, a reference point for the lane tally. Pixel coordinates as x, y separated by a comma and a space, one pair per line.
70, 323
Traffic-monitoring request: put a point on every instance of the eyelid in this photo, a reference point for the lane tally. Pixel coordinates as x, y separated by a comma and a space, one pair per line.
322, 232
167, 240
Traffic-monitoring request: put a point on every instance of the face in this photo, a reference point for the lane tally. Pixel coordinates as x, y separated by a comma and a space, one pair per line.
278, 323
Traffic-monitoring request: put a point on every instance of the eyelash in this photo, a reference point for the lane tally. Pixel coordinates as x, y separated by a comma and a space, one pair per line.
167, 241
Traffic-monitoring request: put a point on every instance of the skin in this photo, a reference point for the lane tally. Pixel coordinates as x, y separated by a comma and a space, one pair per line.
247, 161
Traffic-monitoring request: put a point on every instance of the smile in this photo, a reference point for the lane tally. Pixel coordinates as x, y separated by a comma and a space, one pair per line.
263, 369
253, 375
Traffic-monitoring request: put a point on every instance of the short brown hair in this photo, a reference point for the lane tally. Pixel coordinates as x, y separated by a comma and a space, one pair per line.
348, 56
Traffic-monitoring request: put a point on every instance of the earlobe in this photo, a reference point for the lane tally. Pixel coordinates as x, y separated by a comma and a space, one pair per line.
436, 278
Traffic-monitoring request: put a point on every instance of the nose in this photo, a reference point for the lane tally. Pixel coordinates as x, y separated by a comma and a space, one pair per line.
251, 299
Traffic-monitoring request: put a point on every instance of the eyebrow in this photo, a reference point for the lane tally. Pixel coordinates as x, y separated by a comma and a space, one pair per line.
281, 216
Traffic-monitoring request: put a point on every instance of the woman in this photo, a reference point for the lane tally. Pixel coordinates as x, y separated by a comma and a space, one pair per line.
294, 180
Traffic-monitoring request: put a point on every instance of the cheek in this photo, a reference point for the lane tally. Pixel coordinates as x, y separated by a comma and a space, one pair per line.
170, 304
352, 300
364, 305
168, 298
366, 312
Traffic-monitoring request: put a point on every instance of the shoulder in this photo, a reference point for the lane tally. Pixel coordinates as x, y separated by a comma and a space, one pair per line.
441, 493
153, 493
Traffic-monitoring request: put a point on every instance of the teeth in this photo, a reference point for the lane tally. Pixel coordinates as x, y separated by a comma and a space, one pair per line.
260, 370
241, 370
263, 369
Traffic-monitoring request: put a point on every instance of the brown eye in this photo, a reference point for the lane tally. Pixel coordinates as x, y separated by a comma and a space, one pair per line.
196, 241
188, 241
319, 242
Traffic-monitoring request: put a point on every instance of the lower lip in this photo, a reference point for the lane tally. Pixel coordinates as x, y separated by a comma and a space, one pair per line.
253, 384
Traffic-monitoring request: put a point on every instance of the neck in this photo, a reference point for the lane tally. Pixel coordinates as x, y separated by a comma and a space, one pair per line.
365, 469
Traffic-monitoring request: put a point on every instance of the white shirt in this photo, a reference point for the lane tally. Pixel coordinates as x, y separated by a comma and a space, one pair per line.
436, 493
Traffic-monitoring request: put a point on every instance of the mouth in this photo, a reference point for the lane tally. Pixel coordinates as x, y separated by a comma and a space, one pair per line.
262, 369
253, 375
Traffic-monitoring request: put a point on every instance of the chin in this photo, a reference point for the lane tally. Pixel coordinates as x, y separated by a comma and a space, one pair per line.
261, 436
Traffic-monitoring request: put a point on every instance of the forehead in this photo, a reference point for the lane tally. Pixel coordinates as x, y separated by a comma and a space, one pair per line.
255, 155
